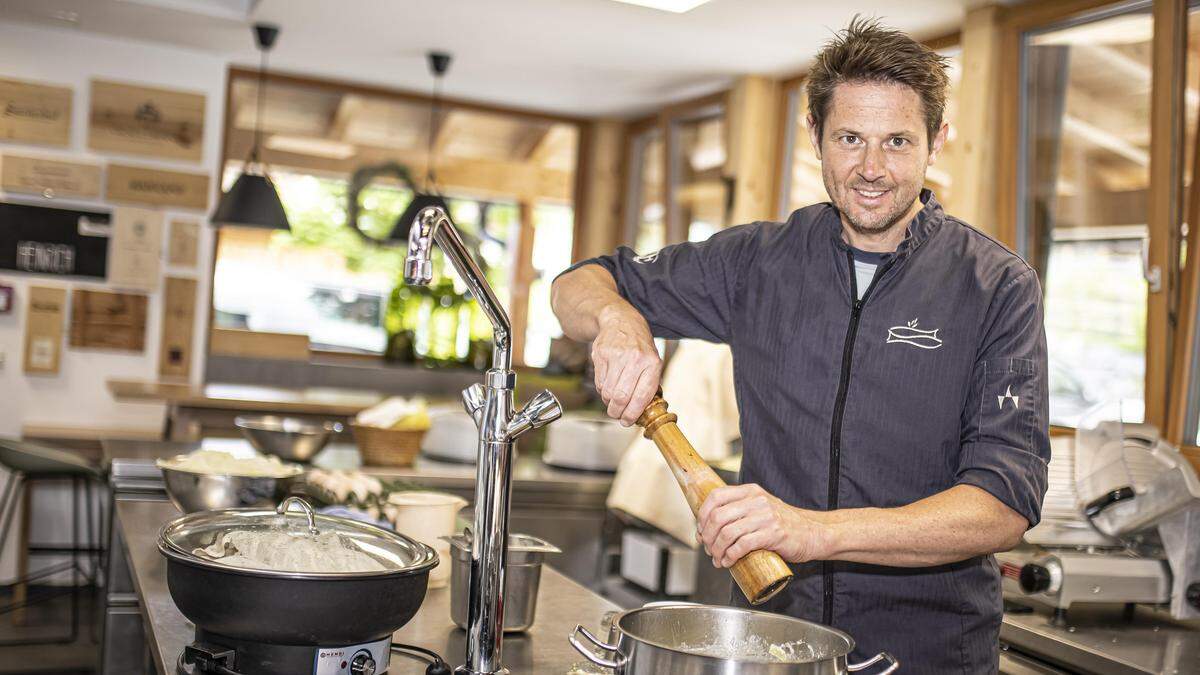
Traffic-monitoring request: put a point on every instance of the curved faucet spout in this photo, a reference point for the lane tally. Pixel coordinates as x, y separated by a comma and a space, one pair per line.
433, 225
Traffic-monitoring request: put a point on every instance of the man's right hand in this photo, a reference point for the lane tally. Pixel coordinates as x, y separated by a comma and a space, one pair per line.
626, 361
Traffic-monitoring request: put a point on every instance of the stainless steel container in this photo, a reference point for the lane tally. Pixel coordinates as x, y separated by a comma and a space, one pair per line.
191, 492
704, 640
522, 574
288, 438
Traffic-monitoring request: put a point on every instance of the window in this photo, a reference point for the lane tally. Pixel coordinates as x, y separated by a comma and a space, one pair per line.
323, 279
699, 198
646, 218
553, 231
1083, 179
802, 184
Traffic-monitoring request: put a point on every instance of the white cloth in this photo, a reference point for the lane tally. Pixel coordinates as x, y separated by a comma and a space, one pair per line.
698, 387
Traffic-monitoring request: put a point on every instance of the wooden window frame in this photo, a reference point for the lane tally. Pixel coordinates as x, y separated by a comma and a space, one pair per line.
523, 272
1165, 180
666, 120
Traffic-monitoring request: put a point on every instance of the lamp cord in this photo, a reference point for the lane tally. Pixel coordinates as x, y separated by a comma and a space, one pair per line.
262, 96
434, 110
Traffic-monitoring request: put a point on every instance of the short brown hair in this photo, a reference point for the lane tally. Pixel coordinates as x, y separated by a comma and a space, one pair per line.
866, 52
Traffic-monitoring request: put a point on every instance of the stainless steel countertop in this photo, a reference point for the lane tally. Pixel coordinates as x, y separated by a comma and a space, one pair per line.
543, 650
534, 483
1097, 639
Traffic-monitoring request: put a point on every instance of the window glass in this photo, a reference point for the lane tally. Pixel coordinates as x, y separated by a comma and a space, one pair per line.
553, 231
1084, 168
647, 214
699, 191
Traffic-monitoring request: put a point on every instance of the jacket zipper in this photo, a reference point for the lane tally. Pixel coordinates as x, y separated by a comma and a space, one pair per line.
839, 410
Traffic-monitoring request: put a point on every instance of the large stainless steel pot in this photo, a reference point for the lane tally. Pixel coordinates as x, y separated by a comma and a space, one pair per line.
703, 640
278, 606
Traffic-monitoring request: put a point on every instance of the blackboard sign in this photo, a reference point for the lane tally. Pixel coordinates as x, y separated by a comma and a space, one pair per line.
41, 240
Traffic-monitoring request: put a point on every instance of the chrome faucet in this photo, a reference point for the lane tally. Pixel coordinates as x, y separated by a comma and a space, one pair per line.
491, 406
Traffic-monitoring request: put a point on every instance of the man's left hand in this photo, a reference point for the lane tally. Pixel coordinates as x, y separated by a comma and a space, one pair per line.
739, 519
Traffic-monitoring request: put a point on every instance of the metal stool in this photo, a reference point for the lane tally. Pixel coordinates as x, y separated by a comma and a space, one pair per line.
30, 463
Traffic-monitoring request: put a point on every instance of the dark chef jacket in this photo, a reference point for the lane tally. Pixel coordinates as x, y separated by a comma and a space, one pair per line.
936, 378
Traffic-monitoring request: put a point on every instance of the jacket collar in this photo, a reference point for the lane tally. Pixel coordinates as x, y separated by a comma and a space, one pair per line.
918, 231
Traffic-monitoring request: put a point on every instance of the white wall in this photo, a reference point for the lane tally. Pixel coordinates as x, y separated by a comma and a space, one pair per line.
77, 396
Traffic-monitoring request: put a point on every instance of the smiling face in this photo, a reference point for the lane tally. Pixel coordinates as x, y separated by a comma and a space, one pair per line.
874, 150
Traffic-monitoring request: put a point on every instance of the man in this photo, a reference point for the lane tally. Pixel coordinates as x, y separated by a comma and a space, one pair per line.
890, 370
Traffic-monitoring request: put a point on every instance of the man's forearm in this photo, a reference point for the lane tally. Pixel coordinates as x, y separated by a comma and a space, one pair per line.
953, 525
582, 298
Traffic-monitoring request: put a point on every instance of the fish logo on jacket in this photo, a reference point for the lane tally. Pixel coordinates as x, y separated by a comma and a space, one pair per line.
909, 334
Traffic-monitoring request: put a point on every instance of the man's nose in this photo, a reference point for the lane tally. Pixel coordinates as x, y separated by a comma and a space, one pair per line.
871, 167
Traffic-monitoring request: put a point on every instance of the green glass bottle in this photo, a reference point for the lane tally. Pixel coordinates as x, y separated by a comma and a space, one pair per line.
400, 323
443, 325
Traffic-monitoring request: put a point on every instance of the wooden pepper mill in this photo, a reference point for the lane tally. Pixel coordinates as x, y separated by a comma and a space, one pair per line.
760, 574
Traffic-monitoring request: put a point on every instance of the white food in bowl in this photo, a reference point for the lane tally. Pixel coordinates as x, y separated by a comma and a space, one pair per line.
214, 462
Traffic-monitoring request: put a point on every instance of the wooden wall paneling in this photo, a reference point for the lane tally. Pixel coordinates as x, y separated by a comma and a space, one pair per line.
602, 222
583, 196
45, 311
752, 120
139, 120
178, 327
522, 278
49, 178
104, 320
31, 112
973, 162
1166, 188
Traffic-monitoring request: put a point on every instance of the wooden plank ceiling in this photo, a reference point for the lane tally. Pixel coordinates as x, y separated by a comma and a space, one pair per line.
482, 154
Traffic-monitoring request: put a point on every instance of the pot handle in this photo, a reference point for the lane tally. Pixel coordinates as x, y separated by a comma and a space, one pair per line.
311, 515
617, 664
881, 656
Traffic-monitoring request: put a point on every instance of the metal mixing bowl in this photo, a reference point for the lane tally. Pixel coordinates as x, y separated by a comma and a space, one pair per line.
288, 438
191, 492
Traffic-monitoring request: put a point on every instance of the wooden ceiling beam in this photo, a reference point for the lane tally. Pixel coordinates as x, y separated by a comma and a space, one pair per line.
517, 180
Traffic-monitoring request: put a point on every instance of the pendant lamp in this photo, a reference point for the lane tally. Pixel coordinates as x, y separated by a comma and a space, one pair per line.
253, 200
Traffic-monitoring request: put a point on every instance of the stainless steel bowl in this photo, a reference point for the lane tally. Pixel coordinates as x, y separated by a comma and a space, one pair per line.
287, 438
191, 492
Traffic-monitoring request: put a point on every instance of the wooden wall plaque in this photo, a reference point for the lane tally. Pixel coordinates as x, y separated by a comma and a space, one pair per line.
146, 121
107, 320
156, 187
35, 113
135, 250
49, 178
44, 329
179, 321
183, 244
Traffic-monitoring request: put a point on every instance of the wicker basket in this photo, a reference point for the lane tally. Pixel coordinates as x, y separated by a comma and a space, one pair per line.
387, 447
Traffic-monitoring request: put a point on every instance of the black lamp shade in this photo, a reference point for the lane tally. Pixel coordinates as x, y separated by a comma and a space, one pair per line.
251, 202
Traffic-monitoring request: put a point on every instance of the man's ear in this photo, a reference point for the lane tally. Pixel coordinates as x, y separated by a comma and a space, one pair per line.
938, 142
814, 136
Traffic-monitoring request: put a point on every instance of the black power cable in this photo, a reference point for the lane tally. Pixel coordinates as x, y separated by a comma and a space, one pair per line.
437, 666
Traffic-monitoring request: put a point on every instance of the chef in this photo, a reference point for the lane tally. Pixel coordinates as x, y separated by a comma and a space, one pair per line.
890, 371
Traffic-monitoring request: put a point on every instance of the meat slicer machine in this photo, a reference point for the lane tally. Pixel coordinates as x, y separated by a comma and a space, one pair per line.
1121, 524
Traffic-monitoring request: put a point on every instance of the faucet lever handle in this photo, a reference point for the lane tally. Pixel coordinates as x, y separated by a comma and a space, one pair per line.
473, 400
541, 410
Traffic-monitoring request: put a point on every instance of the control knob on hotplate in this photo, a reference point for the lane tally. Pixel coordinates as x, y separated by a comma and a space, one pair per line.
362, 664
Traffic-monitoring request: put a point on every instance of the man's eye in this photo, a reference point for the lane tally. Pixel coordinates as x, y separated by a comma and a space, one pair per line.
850, 139
898, 142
